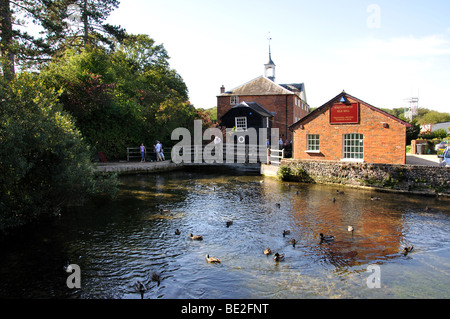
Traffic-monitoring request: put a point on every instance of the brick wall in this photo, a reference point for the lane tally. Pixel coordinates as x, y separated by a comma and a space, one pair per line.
382, 143
272, 103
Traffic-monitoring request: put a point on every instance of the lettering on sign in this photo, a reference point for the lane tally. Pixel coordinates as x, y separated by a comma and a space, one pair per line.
341, 113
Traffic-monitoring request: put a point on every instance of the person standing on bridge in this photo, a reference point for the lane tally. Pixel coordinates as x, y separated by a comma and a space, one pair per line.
142, 148
158, 148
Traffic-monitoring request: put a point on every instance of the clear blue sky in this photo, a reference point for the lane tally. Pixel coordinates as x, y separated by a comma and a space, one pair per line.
382, 52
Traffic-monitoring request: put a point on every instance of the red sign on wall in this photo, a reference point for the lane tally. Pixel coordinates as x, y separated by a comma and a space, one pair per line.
341, 113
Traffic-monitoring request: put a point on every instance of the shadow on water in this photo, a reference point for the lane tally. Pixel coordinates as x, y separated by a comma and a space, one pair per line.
133, 237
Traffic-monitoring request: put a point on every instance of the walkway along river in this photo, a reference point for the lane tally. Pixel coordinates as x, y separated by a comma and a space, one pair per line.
129, 239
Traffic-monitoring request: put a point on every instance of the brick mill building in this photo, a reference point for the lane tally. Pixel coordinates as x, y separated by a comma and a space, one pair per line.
348, 129
286, 102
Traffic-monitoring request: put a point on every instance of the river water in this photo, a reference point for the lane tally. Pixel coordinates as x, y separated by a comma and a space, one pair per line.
117, 243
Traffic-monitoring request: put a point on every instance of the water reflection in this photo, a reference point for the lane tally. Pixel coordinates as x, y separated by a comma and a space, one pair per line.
117, 244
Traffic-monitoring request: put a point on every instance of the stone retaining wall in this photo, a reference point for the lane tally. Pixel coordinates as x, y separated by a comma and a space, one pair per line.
137, 167
403, 178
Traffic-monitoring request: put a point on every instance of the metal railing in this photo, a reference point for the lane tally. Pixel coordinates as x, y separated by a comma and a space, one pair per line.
135, 153
231, 153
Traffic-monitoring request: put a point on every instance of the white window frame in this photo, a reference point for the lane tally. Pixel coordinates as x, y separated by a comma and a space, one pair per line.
234, 100
312, 143
353, 147
240, 123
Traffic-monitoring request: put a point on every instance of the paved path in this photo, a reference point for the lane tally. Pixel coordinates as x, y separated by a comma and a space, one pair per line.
427, 160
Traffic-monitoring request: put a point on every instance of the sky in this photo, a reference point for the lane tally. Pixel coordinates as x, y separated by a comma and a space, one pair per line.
382, 52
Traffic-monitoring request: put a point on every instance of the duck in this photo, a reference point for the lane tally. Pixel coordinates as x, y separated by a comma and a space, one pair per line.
212, 260
333, 200
374, 198
229, 223
156, 277
339, 192
141, 288
267, 251
177, 232
286, 232
164, 210
407, 250
350, 228
196, 237
292, 241
326, 237
278, 205
278, 257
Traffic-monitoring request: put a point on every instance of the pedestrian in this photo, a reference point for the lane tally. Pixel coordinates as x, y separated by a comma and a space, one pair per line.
142, 148
280, 143
158, 151
162, 154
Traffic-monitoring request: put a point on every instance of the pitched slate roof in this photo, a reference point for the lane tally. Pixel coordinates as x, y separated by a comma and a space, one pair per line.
264, 86
337, 99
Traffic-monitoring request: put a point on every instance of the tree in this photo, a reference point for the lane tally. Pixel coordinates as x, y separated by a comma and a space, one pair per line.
6, 44
92, 15
57, 22
433, 117
120, 98
44, 162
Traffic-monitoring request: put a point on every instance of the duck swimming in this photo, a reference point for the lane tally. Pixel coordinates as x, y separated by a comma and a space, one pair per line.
229, 223
374, 198
141, 288
278, 257
292, 241
286, 232
267, 251
177, 232
156, 277
326, 237
407, 250
212, 260
196, 237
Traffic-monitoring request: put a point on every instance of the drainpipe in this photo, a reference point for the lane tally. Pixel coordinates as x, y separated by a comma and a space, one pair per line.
285, 133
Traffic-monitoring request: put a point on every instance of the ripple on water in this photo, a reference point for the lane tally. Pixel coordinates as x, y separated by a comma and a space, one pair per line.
121, 243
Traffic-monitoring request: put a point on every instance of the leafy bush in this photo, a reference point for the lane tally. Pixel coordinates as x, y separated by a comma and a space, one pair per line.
44, 162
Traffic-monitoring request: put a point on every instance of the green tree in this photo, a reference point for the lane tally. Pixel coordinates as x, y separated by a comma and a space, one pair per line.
91, 15
120, 98
62, 24
433, 117
44, 162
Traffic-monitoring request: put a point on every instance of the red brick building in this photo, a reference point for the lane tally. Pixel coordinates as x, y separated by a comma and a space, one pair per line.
348, 129
286, 102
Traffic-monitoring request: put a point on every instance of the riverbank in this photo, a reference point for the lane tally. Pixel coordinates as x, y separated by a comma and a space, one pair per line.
419, 179
410, 179
125, 168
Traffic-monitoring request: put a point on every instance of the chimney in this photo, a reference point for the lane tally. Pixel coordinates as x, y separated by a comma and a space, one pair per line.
222, 89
